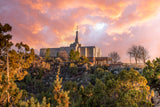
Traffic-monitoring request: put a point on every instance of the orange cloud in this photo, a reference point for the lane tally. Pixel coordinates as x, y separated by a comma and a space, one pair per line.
115, 39
35, 28
52, 23
40, 5
145, 11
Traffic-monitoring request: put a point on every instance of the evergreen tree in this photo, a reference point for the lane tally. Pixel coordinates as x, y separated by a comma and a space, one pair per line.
14, 93
48, 52
32, 55
44, 103
5, 45
60, 97
152, 73
5, 37
129, 88
83, 59
74, 55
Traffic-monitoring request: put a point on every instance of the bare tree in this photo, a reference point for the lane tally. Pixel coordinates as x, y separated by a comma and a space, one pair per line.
130, 56
115, 57
139, 53
144, 54
134, 52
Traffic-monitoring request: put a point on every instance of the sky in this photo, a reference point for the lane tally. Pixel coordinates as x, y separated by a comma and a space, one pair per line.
112, 25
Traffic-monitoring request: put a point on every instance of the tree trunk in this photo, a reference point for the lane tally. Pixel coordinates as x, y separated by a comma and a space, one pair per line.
8, 77
136, 60
130, 58
144, 61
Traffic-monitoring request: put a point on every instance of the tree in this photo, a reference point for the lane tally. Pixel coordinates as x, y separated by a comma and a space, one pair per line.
25, 58
14, 93
152, 73
32, 55
48, 52
5, 38
72, 87
26, 47
73, 69
139, 53
98, 95
15, 63
115, 57
83, 59
143, 54
33, 102
22, 49
128, 88
5, 45
60, 97
74, 55
134, 52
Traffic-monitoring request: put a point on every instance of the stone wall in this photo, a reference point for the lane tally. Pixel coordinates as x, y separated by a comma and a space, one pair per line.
54, 51
88, 51
97, 52
67, 49
42, 52
82, 51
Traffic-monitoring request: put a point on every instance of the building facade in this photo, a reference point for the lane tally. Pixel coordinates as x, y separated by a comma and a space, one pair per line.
88, 51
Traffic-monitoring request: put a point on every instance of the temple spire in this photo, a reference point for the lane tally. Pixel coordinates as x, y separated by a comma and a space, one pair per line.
76, 40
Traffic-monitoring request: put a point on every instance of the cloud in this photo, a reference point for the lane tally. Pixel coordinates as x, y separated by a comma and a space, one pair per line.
136, 14
52, 23
36, 28
115, 39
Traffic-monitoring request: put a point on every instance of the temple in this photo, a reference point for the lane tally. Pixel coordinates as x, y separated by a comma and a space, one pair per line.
91, 52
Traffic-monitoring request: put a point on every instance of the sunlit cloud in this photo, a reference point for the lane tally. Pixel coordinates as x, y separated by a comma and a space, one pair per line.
100, 26
104, 23
36, 28
115, 39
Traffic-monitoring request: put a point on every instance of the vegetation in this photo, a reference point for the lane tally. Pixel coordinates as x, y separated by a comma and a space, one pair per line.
48, 52
115, 57
152, 73
63, 55
83, 59
60, 97
128, 88
138, 53
30, 81
74, 55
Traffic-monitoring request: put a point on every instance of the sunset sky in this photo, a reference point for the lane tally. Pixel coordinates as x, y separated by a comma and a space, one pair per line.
112, 25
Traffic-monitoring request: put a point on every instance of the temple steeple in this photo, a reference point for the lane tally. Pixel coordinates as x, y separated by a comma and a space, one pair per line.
76, 45
76, 40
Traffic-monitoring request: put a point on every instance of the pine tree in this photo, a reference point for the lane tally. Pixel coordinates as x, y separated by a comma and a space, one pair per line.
44, 104
48, 52
60, 97
74, 55
14, 93
5, 45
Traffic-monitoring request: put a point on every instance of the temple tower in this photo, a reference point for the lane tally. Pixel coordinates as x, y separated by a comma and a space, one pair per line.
76, 39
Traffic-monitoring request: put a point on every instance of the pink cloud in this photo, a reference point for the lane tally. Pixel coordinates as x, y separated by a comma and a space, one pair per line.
52, 23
